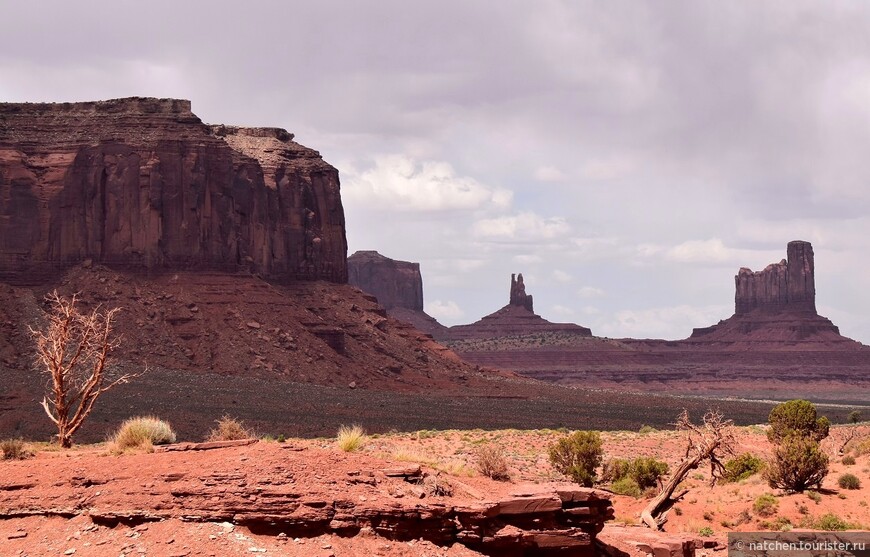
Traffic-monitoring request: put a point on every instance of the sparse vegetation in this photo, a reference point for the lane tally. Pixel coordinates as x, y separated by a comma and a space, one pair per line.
814, 496
798, 461
831, 523
706, 531
230, 429
849, 481
14, 449
742, 467
854, 417
492, 462
644, 429
765, 505
848, 460
625, 486
577, 456
351, 438
645, 472
73, 351
142, 431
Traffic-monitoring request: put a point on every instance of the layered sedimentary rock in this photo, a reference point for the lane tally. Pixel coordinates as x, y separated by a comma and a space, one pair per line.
143, 184
515, 319
396, 284
785, 286
775, 305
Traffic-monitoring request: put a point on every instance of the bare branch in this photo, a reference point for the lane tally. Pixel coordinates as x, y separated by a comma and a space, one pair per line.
73, 350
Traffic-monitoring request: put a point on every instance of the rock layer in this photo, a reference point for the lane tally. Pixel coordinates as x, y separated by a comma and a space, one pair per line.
785, 286
513, 320
142, 183
396, 284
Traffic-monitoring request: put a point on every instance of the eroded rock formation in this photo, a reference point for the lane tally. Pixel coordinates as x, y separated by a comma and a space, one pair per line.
514, 320
142, 183
396, 284
785, 286
518, 293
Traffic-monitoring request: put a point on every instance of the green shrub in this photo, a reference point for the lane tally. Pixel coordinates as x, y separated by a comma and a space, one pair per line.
351, 438
848, 460
644, 471
765, 505
142, 431
796, 418
854, 416
849, 481
644, 429
706, 531
798, 464
625, 486
230, 429
577, 456
14, 449
491, 462
831, 523
814, 496
742, 467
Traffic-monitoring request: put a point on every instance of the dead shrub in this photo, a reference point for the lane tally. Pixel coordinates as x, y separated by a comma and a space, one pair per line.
230, 429
492, 462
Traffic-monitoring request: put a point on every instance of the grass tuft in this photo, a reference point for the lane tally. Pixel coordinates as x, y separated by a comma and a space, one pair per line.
14, 449
142, 432
351, 438
230, 429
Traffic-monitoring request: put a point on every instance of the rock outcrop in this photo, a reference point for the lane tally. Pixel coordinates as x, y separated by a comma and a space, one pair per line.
518, 294
396, 284
307, 492
776, 305
516, 319
142, 184
785, 286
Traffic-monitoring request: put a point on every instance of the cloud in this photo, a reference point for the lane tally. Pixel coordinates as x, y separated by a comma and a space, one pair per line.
448, 310
561, 276
522, 227
549, 174
590, 292
398, 182
562, 310
673, 322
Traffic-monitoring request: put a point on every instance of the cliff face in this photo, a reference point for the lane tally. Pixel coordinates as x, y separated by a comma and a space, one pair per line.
396, 284
143, 184
776, 305
785, 286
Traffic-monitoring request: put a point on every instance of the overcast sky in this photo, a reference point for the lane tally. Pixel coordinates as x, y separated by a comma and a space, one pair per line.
626, 157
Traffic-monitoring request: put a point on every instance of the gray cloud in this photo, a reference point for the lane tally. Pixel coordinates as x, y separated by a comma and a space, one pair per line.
632, 137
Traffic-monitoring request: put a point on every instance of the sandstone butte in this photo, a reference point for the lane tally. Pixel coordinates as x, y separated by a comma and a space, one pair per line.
224, 245
143, 184
775, 343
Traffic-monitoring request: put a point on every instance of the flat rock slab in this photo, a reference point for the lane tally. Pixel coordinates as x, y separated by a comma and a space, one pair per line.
204, 446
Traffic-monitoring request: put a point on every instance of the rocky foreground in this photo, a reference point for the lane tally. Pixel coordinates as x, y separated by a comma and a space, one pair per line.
401, 495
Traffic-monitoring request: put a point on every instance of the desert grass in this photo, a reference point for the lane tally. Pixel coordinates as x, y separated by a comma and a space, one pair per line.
14, 449
142, 432
351, 438
230, 429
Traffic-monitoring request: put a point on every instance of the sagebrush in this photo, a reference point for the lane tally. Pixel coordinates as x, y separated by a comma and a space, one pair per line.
492, 462
577, 456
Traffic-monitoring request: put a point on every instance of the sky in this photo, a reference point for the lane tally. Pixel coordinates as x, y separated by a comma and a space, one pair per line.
626, 157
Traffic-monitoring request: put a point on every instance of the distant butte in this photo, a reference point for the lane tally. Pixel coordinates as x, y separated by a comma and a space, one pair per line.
398, 286
515, 319
776, 305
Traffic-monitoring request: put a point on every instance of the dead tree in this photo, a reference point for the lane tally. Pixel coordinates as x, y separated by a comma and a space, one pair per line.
705, 442
73, 350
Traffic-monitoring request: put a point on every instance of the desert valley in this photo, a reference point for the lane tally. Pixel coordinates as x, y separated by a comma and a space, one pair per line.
226, 249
